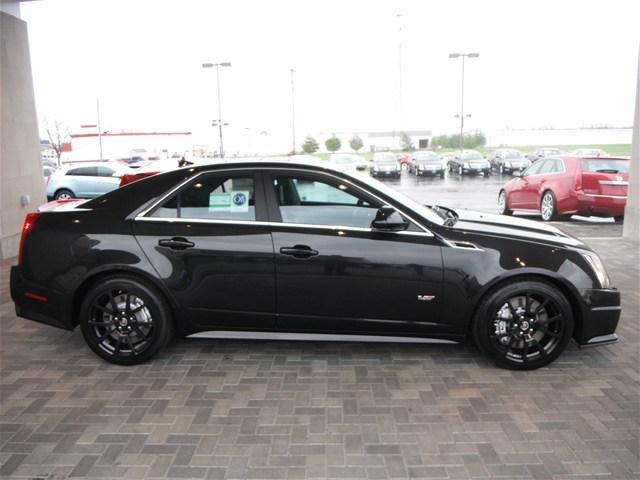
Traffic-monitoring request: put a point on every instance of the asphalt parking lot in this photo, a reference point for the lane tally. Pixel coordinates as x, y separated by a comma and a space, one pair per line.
283, 409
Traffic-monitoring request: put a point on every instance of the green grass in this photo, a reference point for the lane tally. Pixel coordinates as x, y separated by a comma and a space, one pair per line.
612, 149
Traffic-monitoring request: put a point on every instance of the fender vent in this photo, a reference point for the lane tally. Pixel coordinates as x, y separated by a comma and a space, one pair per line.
463, 245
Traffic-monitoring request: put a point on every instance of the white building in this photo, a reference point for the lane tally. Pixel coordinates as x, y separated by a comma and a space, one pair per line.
123, 145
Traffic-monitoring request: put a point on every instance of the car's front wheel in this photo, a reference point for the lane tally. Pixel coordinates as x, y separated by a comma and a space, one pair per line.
523, 325
125, 321
460, 170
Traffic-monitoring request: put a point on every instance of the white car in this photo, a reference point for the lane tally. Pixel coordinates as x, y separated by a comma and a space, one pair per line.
589, 152
84, 180
349, 161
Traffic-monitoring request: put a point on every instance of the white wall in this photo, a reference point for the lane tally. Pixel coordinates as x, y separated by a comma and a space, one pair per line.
20, 167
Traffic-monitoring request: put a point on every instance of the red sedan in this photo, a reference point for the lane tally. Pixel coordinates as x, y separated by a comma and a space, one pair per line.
558, 187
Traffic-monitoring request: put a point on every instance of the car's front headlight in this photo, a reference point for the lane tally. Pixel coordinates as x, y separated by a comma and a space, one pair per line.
597, 266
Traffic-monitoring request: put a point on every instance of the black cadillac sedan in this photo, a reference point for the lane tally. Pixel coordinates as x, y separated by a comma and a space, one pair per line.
287, 247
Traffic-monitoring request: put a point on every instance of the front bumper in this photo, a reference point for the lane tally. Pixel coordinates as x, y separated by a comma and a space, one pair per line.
430, 171
600, 316
477, 170
37, 303
385, 173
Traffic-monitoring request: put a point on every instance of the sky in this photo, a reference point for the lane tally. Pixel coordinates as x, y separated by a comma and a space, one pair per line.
542, 64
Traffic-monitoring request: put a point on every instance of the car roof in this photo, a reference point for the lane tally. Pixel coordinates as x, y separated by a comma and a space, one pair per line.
68, 166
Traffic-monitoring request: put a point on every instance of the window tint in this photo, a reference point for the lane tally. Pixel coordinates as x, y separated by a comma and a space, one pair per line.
84, 172
606, 166
534, 169
309, 200
214, 197
105, 172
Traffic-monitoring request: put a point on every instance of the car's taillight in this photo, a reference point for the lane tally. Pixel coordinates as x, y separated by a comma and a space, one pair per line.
29, 222
578, 185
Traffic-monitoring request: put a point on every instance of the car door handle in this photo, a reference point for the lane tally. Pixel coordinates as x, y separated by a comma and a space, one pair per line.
176, 243
299, 251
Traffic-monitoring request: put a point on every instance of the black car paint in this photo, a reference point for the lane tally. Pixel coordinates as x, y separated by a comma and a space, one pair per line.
363, 282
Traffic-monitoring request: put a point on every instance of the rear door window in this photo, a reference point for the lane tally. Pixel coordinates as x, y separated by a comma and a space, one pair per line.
213, 197
84, 172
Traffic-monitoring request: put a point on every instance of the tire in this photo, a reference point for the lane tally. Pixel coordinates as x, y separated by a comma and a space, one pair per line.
442, 175
503, 204
460, 171
523, 325
127, 338
486, 173
549, 207
64, 194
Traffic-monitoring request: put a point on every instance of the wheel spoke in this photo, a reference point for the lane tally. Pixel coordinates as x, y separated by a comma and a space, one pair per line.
525, 350
103, 309
527, 303
137, 309
116, 350
127, 307
549, 320
514, 313
112, 300
104, 336
133, 350
540, 348
546, 331
541, 307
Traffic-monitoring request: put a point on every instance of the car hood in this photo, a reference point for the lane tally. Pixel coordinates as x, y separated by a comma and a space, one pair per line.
502, 225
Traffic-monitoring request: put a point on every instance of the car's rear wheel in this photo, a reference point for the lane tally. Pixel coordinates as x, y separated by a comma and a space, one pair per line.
503, 207
523, 325
64, 194
125, 321
549, 207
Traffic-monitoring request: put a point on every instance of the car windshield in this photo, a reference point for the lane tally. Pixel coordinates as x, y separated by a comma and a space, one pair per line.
426, 157
408, 202
512, 154
472, 156
605, 165
384, 158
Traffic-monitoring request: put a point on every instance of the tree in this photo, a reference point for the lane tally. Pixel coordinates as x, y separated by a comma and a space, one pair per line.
310, 145
58, 134
356, 143
406, 143
333, 143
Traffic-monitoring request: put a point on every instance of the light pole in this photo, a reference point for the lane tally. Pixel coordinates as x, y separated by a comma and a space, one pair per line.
293, 115
218, 65
462, 115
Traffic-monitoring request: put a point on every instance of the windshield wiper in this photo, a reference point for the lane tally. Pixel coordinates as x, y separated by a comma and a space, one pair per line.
607, 170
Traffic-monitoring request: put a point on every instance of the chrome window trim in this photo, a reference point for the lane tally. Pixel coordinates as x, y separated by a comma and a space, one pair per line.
278, 224
143, 215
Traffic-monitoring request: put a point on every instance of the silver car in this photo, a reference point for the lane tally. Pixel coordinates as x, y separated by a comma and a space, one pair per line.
86, 180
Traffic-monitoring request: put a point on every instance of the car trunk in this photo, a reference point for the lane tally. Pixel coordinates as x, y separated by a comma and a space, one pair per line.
605, 177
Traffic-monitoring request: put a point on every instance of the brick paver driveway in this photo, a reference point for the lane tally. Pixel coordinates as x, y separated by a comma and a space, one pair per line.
266, 409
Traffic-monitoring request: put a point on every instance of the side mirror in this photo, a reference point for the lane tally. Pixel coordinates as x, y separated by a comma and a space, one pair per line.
388, 219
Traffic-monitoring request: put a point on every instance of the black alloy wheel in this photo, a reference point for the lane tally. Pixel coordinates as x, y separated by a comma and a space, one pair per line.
125, 321
524, 325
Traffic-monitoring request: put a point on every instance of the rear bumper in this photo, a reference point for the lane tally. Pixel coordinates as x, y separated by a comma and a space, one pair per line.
37, 303
608, 205
601, 314
385, 174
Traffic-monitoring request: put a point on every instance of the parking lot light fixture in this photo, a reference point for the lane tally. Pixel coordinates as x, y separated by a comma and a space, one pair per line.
220, 124
462, 115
